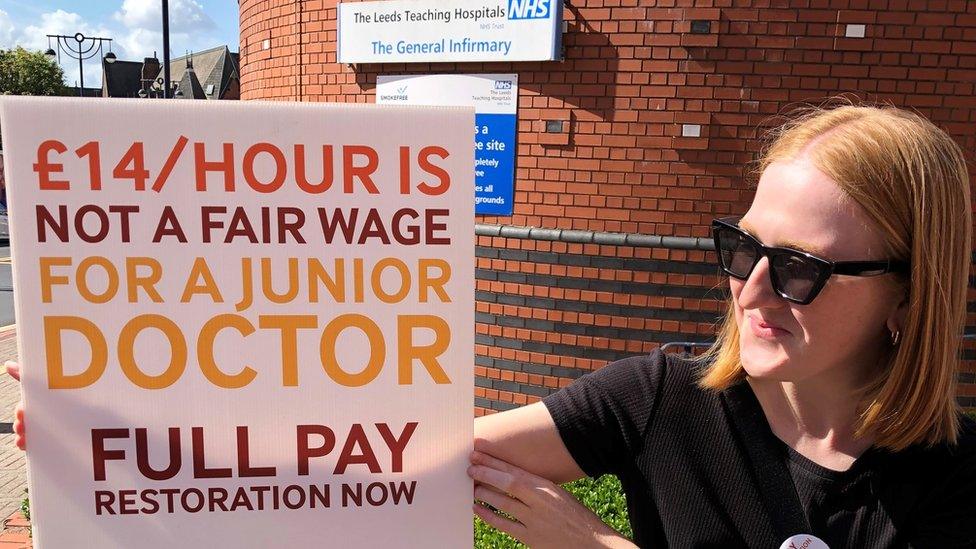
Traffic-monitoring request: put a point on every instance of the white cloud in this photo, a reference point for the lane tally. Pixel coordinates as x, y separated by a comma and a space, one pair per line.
59, 22
185, 16
191, 29
139, 43
6, 31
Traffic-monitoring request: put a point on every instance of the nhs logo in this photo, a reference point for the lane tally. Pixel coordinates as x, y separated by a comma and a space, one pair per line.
529, 9
503, 84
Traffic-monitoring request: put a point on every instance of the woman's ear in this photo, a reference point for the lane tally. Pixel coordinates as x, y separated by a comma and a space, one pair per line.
896, 319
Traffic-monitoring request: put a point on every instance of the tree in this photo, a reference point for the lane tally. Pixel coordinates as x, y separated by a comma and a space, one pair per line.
24, 72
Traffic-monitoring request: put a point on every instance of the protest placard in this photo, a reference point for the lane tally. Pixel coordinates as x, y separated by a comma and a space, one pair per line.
244, 325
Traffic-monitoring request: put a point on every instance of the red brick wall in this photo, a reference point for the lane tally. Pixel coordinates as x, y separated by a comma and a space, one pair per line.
633, 74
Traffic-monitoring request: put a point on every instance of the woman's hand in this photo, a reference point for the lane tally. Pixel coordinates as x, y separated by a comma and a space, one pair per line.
545, 514
14, 370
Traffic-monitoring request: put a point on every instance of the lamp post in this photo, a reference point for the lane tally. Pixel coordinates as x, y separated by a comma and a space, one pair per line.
150, 87
79, 47
166, 88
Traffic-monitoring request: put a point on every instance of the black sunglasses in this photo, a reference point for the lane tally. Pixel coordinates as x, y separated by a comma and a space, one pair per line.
796, 276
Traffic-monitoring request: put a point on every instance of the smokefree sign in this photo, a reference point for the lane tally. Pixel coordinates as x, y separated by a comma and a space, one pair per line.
238, 320
495, 100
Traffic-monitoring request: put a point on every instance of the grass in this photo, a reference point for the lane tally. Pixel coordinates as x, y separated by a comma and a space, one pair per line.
25, 509
603, 496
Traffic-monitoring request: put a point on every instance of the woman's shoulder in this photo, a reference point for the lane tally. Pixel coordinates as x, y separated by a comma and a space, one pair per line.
958, 457
667, 372
933, 463
637, 388
963, 450
967, 435
936, 484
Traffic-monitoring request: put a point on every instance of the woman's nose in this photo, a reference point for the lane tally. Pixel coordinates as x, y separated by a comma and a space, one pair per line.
757, 290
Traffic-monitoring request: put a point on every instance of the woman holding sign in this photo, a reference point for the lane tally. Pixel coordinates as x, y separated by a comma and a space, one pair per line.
825, 414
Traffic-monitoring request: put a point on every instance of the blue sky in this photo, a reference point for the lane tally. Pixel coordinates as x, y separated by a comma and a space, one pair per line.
135, 26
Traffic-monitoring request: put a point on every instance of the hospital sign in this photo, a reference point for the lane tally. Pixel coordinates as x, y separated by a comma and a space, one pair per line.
433, 31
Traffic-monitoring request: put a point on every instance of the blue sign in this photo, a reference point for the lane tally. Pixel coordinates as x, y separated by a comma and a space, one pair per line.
528, 9
494, 163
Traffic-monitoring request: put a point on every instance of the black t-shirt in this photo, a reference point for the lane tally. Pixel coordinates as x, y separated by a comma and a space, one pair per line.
687, 460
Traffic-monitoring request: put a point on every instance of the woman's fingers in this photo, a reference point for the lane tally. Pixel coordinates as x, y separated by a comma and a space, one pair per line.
543, 515
512, 528
481, 458
531, 508
506, 477
19, 428
500, 501
13, 369
500, 480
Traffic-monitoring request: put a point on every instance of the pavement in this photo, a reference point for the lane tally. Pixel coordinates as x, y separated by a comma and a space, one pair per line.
13, 474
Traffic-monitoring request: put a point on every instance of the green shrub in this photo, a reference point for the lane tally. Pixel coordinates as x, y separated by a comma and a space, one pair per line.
25, 506
603, 496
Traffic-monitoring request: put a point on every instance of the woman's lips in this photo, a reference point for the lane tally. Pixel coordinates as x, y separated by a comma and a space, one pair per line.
764, 330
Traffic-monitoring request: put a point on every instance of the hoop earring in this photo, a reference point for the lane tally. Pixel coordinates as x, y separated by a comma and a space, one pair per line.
895, 337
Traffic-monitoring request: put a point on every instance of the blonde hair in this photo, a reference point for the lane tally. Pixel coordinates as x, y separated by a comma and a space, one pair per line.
911, 179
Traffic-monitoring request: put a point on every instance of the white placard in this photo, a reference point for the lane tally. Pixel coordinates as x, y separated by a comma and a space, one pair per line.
244, 324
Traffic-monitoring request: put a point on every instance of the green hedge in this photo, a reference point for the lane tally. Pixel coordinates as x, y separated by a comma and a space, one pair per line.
603, 496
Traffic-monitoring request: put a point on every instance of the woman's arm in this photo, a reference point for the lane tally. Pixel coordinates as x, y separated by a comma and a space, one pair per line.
518, 463
527, 438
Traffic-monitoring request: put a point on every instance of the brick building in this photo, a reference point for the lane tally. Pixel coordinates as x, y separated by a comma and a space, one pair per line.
640, 78
207, 74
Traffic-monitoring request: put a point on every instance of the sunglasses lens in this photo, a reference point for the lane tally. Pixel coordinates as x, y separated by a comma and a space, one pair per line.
737, 253
796, 275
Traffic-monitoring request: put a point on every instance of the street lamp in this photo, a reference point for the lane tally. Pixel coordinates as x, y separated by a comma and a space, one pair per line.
165, 7
79, 47
151, 88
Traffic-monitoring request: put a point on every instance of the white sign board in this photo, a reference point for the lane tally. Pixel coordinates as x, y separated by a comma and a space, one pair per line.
435, 31
244, 324
495, 100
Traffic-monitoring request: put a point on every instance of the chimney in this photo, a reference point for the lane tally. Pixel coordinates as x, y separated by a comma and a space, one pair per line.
150, 69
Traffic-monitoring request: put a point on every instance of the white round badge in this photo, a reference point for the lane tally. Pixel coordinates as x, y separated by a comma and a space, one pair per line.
804, 541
